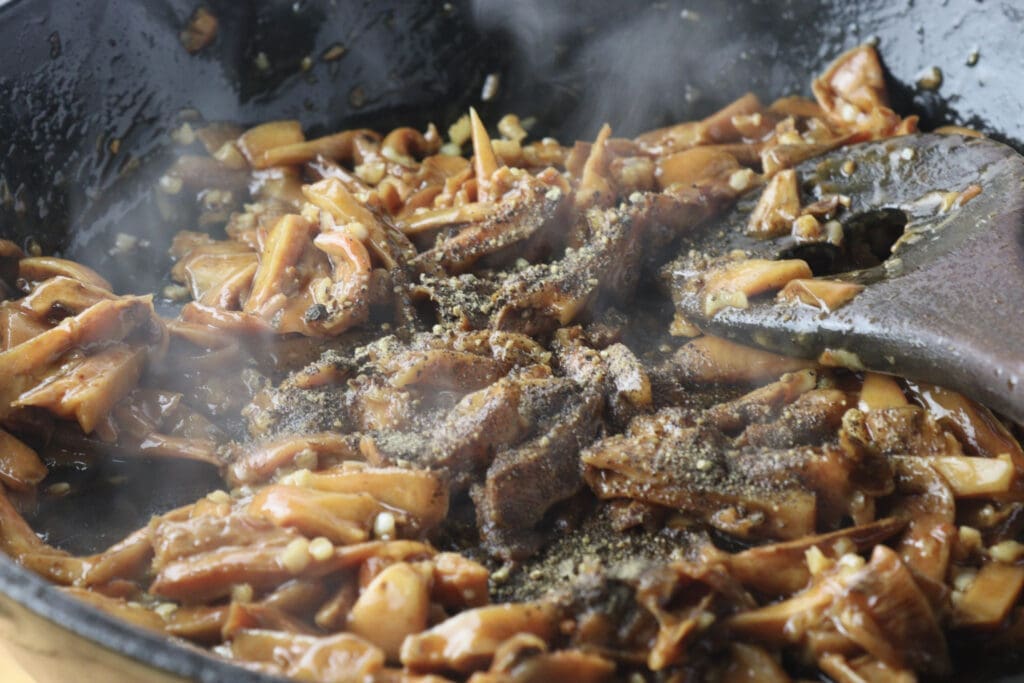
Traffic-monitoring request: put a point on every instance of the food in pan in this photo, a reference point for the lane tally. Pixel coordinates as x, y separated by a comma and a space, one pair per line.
463, 435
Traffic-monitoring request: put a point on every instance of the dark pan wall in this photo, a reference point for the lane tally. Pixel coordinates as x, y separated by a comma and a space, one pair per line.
76, 75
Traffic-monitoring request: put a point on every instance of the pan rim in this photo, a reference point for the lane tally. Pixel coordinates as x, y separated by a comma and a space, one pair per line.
164, 653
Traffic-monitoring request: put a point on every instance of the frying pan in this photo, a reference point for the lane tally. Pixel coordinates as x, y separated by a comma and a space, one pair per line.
90, 90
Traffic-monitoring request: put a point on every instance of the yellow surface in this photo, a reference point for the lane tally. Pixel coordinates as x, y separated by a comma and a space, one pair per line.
10, 672
55, 655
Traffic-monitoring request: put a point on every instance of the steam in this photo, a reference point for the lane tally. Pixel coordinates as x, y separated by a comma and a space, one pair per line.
635, 66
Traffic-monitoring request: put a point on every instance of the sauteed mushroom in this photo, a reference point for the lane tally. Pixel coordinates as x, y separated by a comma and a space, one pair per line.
461, 439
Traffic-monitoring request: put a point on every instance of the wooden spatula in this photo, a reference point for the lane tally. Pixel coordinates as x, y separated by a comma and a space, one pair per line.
933, 231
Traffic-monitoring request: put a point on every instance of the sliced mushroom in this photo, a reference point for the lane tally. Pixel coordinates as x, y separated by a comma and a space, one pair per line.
20, 466
104, 322
468, 641
780, 568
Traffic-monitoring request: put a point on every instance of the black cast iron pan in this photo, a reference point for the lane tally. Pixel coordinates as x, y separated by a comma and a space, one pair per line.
77, 76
